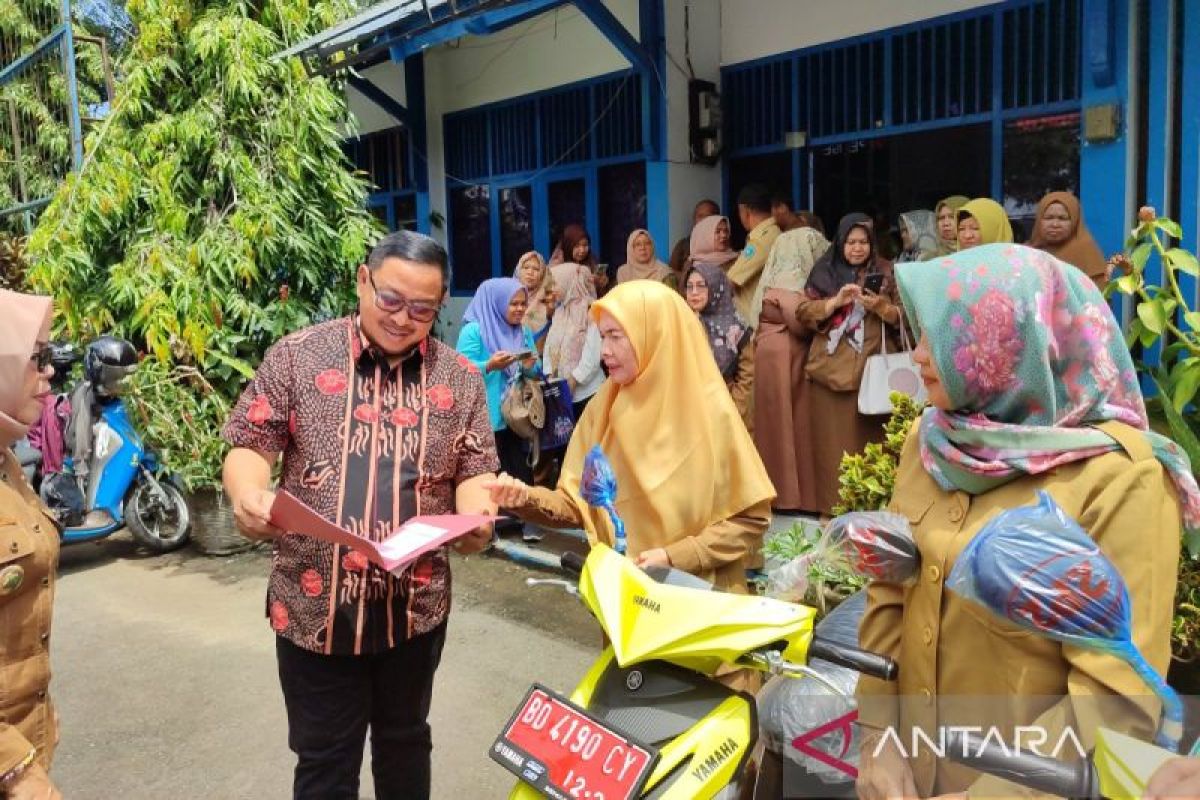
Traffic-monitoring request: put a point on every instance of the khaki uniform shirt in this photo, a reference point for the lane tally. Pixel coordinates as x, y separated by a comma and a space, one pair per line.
747, 271
718, 554
28, 558
946, 645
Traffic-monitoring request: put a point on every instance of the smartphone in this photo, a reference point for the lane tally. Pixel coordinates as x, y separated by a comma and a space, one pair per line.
874, 283
601, 269
521, 355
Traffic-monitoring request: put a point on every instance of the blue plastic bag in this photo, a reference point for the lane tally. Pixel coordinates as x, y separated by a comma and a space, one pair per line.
598, 486
1036, 568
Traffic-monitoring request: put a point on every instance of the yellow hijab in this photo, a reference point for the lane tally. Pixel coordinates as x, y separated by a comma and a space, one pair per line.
954, 202
994, 227
676, 473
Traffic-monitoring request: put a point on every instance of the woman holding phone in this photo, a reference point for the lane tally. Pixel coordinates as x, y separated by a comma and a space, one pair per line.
496, 343
849, 306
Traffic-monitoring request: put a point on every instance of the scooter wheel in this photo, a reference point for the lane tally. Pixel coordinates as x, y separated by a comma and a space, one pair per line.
157, 525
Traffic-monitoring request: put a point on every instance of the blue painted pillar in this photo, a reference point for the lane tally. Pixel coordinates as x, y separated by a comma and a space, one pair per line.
1105, 167
654, 115
1189, 167
414, 95
1160, 118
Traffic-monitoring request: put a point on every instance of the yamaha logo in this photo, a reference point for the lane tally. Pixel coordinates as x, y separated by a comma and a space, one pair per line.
633, 681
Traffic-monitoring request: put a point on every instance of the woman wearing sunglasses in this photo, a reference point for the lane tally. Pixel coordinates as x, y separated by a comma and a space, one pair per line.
28, 557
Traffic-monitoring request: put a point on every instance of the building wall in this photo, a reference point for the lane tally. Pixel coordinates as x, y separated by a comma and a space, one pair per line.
688, 183
753, 29
369, 117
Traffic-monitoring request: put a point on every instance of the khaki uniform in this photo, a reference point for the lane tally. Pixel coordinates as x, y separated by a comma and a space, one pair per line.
747, 271
948, 646
28, 560
717, 554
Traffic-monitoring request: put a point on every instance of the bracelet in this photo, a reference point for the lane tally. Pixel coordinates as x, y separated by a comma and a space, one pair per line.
10, 777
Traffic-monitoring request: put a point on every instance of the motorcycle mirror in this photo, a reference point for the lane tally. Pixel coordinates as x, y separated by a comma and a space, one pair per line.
598, 486
1036, 568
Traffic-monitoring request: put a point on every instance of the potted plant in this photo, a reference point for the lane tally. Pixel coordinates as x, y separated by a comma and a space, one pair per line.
1165, 315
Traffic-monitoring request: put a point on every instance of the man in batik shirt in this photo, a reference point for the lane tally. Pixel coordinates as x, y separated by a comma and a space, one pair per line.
376, 422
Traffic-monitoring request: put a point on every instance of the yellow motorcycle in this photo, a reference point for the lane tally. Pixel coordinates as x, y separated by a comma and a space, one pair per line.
650, 719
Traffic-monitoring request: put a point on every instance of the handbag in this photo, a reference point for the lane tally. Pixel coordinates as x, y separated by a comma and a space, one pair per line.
560, 414
524, 411
890, 372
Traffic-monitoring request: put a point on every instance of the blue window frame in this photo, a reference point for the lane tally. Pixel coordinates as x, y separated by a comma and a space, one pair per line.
386, 157
536, 163
993, 65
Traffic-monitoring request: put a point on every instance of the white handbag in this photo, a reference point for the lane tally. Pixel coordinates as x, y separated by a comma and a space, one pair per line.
890, 372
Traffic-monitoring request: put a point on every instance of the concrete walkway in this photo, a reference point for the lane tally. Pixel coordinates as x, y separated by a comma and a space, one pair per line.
164, 675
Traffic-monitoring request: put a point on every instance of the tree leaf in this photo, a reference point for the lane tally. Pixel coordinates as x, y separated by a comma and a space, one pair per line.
1153, 315
1183, 261
1169, 227
1141, 254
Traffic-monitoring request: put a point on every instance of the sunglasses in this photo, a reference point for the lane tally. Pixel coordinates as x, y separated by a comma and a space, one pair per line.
43, 357
390, 302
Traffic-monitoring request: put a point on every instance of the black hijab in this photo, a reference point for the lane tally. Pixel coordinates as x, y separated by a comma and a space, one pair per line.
832, 271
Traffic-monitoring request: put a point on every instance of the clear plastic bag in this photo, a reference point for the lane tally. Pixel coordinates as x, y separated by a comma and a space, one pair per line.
1036, 568
598, 486
878, 545
791, 707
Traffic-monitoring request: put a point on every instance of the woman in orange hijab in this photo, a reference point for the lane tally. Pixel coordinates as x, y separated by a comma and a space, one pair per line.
1059, 230
28, 557
694, 494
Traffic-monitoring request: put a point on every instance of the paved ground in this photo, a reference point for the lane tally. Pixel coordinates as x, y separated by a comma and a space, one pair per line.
165, 675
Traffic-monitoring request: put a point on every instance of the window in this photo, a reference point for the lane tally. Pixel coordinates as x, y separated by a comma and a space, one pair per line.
623, 210
1041, 154
567, 201
471, 237
516, 226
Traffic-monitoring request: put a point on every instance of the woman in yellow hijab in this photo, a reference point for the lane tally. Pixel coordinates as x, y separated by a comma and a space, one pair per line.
691, 488
983, 221
946, 213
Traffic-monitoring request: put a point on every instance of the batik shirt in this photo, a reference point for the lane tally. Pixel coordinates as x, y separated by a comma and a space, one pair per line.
367, 446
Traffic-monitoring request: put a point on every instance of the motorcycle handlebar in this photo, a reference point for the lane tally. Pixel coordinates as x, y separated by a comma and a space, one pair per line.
572, 564
1043, 774
854, 658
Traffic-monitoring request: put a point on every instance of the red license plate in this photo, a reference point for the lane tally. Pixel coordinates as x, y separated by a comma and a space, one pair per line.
563, 752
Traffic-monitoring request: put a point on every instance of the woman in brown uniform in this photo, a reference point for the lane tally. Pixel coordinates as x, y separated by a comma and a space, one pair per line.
1032, 390
690, 486
28, 557
848, 323
781, 421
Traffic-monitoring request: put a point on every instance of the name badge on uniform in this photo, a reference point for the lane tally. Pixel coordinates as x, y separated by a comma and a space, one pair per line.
11, 578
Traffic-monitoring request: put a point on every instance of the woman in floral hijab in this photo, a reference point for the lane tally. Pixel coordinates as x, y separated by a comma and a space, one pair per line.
1032, 390
710, 294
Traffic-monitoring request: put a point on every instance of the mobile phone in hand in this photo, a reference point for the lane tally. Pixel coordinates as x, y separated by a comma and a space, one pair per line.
874, 283
521, 355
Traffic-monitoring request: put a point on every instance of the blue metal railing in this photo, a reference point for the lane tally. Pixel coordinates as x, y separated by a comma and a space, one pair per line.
933, 72
55, 50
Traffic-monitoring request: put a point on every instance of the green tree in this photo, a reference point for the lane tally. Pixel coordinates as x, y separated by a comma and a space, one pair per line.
216, 211
38, 101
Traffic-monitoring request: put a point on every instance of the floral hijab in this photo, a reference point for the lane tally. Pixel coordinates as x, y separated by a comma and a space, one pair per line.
727, 332
1031, 357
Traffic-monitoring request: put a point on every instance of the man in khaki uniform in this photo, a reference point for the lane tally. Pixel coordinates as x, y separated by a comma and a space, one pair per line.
754, 211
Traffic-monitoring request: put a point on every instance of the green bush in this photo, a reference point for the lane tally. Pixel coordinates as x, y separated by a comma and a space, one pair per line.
866, 479
216, 212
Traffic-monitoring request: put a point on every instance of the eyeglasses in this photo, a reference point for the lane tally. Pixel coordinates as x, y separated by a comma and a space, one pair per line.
42, 357
390, 302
